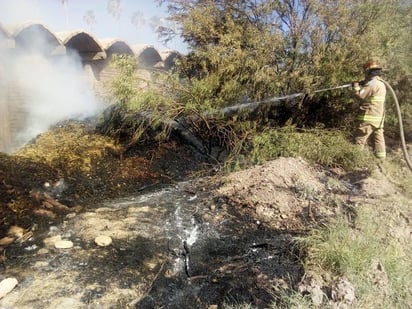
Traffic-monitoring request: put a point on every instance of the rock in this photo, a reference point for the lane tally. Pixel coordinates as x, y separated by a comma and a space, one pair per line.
5, 241
105, 209
7, 285
42, 251
53, 229
16, 231
343, 294
311, 285
63, 244
50, 241
150, 265
192, 198
41, 264
71, 215
103, 241
317, 295
207, 217
31, 248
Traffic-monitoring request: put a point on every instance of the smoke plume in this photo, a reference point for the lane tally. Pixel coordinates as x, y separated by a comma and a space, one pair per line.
50, 90
45, 89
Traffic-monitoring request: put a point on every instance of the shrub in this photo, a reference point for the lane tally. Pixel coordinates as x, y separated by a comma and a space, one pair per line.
326, 147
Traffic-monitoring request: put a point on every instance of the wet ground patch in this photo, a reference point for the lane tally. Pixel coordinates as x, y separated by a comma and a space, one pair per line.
171, 249
231, 269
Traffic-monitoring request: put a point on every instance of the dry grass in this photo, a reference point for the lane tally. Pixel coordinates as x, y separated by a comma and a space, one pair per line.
69, 148
373, 251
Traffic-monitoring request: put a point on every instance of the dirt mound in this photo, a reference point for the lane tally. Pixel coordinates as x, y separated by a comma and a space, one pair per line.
286, 193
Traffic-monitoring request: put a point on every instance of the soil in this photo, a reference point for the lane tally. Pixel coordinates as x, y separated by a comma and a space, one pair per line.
245, 225
74, 165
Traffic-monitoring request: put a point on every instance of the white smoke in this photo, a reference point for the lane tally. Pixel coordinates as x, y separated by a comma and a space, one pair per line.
54, 90
49, 88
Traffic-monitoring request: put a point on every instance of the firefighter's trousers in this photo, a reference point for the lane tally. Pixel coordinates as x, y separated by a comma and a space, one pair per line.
366, 130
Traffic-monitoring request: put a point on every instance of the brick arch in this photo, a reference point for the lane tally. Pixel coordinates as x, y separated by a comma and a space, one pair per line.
6, 40
116, 46
33, 36
169, 57
147, 54
82, 42
104, 70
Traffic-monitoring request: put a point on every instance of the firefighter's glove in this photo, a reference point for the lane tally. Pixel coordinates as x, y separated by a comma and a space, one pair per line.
356, 86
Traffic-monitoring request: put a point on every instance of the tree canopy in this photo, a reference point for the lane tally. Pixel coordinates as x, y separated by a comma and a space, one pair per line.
260, 48
251, 50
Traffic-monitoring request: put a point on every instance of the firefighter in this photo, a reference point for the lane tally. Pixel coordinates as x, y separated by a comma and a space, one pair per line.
371, 116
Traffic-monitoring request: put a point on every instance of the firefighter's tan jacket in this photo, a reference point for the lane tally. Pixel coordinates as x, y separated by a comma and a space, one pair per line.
372, 95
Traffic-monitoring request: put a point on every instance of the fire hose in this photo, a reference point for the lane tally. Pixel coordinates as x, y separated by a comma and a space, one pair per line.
251, 105
401, 131
398, 114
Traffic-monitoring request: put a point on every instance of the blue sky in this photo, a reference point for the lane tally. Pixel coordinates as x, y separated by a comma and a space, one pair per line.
71, 15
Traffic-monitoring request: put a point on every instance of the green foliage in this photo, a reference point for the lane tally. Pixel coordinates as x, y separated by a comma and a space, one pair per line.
123, 86
352, 251
258, 49
277, 47
136, 91
329, 148
145, 105
401, 86
252, 50
166, 98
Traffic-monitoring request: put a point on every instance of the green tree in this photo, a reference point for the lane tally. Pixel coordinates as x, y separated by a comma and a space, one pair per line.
305, 42
256, 49
243, 50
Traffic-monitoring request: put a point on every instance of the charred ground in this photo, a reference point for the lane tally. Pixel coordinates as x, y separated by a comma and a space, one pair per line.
57, 185
73, 164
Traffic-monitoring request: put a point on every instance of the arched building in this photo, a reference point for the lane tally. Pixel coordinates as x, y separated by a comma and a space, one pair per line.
36, 37
88, 48
84, 44
22, 40
92, 55
147, 55
168, 58
105, 70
